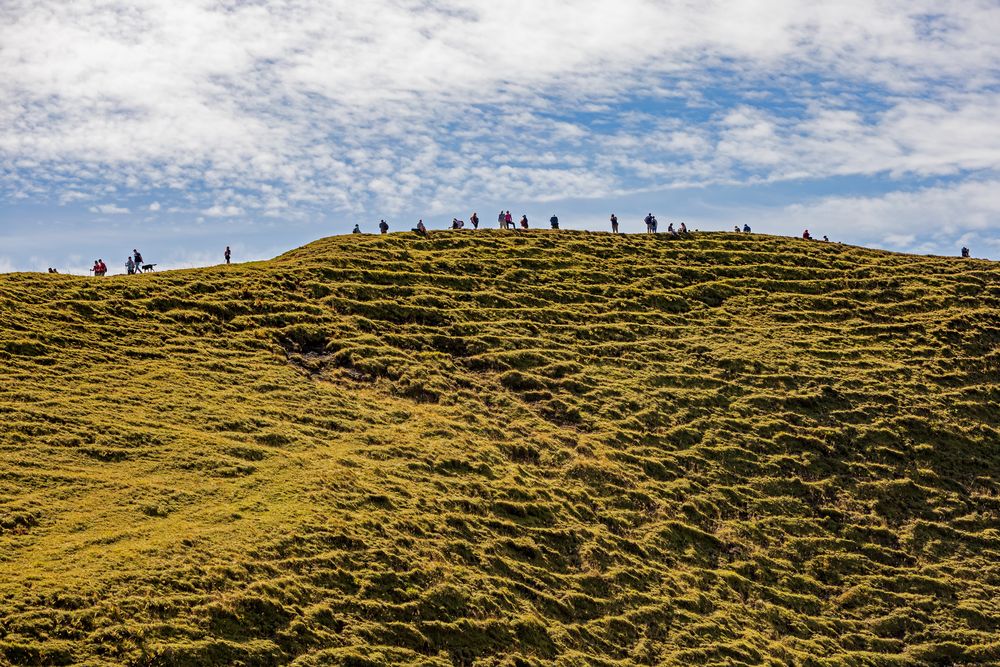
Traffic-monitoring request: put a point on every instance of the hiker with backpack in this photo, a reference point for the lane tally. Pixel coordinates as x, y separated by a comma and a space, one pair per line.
383, 226
554, 221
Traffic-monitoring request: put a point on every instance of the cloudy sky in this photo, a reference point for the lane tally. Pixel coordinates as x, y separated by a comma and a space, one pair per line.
183, 126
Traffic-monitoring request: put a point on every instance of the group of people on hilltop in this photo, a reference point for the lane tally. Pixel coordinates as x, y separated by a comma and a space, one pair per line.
808, 237
506, 221
134, 263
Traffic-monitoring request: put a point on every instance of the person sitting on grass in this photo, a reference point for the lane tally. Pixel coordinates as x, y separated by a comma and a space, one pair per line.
420, 228
806, 235
746, 229
524, 222
554, 221
357, 229
683, 229
457, 224
966, 253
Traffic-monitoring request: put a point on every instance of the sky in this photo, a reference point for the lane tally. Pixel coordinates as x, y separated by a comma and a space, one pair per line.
182, 126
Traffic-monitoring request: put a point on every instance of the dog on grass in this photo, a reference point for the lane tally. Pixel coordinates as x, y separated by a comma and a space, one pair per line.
146, 268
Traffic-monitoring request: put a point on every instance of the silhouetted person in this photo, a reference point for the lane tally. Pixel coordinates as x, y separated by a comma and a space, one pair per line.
420, 228
965, 252
614, 223
383, 226
524, 222
228, 254
806, 235
554, 221
357, 229
502, 220
746, 229
474, 219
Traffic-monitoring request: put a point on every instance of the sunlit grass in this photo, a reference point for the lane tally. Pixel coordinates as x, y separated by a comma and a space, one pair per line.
505, 448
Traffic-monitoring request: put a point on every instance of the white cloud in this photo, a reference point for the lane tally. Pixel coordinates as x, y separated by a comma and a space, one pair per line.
333, 104
155, 206
108, 209
222, 211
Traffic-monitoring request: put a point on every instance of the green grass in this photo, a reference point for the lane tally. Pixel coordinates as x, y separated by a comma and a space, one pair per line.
505, 449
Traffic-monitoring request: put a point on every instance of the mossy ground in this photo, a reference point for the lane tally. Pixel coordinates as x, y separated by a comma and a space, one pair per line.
505, 449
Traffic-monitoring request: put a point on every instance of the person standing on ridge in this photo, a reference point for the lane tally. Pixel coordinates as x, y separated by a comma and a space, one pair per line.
383, 226
228, 254
508, 221
129, 266
474, 219
554, 221
502, 219
614, 223
137, 257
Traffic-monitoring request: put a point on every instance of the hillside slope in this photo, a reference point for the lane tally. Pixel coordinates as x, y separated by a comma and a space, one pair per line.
505, 449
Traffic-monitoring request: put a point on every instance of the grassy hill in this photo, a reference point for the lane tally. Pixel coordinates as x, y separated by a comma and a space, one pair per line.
505, 449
